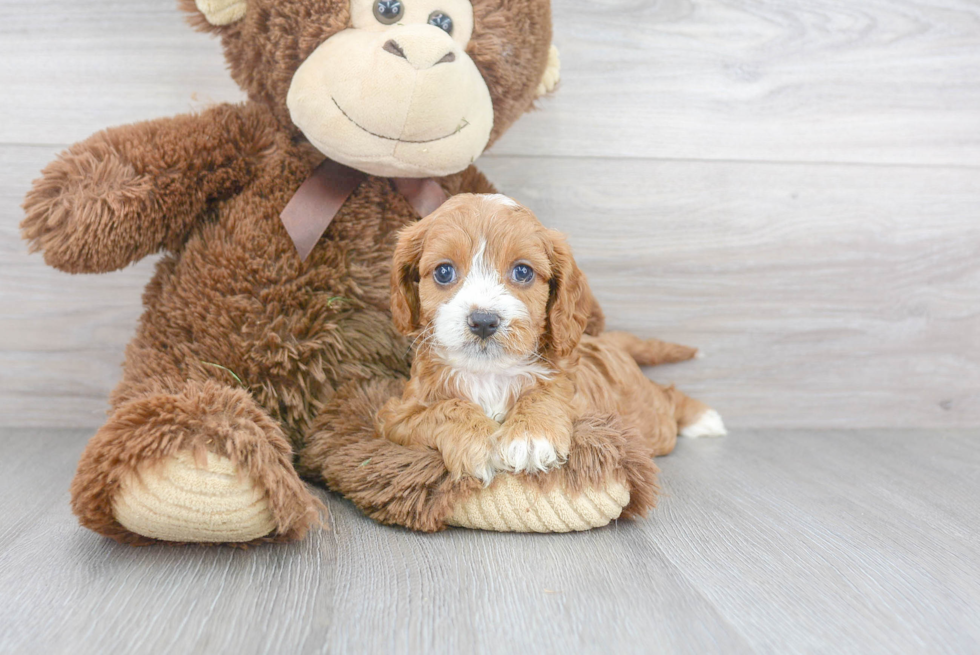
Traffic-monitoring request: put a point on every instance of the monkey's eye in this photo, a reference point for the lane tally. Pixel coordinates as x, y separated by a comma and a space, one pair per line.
522, 274
442, 21
388, 11
444, 274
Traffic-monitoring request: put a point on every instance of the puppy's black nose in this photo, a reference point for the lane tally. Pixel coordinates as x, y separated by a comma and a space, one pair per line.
483, 324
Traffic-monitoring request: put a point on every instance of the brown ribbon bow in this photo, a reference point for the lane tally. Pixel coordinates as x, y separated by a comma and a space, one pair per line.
317, 201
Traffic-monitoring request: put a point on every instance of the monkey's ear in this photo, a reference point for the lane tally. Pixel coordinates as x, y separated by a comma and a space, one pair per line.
406, 310
552, 74
218, 13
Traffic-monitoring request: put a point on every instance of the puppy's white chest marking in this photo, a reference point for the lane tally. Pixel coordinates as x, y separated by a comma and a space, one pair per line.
495, 389
495, 393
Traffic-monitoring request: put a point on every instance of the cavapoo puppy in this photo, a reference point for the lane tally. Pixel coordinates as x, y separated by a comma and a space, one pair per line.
502, 366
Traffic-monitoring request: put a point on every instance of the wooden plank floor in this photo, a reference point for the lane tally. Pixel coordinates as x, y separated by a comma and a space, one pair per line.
789, 184
770, 541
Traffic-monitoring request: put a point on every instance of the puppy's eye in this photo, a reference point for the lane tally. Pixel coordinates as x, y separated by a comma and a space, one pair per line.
442, 21
444, 274
388, 12
522, 274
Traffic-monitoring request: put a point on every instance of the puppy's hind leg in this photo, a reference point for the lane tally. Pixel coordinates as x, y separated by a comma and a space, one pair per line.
649, 352
694, 418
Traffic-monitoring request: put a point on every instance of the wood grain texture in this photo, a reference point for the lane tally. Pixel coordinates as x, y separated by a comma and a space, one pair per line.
766, 542
63, 335
823, 295
73, 68
882, 81
790, 185
887, 81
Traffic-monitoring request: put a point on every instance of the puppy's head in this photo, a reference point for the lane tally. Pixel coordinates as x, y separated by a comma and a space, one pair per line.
484, 282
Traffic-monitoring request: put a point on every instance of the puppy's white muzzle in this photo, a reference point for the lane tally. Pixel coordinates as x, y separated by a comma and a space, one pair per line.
478, 316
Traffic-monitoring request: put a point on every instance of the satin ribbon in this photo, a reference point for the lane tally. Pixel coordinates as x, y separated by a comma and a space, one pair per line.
317, 201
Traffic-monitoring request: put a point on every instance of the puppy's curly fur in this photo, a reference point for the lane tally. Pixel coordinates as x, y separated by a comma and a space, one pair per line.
503, 368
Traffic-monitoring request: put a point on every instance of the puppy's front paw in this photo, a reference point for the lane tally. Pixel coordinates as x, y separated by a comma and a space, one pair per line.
708, 424
483, 472
527, 454
472, 460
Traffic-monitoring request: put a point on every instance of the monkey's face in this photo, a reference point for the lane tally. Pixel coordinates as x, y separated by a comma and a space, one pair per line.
399, 88
396, 94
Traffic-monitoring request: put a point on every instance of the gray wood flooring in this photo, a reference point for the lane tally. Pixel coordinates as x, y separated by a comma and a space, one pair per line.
792, 185
771, 541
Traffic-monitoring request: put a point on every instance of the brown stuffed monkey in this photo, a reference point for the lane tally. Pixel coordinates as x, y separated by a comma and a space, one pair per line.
266, 344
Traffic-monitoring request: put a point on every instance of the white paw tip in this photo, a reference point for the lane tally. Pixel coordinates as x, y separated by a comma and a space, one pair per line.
699, 354
484, 474
543, 455
709, 425
529, 455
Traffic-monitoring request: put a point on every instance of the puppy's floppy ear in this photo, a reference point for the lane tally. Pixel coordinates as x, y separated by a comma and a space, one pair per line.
597, 318
570, 302
405, 307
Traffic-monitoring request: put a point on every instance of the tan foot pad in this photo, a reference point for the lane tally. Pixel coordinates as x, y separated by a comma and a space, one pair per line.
510, 506
176, 500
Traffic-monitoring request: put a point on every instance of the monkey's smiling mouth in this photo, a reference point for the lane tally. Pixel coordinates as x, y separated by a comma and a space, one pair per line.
463, 124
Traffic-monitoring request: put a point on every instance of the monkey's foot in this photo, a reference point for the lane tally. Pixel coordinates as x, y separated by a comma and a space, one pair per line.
202, 464
178, 499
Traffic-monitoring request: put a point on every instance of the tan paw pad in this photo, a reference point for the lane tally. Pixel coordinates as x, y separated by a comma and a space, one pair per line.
179, 500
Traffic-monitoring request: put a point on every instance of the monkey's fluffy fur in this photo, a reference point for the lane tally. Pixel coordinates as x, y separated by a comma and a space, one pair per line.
312, 342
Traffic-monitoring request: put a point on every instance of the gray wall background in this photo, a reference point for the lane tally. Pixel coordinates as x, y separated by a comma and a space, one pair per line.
792, 186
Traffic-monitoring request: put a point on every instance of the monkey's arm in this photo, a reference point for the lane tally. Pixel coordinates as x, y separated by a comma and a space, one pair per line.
130, 191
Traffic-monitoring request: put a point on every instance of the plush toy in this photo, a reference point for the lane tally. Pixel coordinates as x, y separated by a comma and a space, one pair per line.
267, 346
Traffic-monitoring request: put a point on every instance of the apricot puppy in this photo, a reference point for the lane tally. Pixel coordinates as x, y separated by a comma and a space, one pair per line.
502, 366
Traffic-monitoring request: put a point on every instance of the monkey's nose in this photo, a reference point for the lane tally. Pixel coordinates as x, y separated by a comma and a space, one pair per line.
420, 55
483, 324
